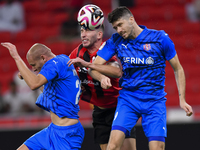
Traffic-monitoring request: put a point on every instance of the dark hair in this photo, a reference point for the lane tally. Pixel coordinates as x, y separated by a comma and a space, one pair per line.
117, 13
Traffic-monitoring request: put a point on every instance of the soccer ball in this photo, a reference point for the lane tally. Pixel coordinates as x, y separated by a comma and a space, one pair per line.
90, 17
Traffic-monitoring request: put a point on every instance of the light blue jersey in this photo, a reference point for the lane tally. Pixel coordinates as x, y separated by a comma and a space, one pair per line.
143, 61
61, 93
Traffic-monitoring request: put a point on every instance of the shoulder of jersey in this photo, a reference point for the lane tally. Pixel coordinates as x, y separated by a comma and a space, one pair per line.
101, 47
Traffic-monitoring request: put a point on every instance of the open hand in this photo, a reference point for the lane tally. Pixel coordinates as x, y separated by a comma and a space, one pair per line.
12, 49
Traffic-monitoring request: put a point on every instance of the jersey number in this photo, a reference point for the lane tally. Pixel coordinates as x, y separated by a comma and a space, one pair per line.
78, 93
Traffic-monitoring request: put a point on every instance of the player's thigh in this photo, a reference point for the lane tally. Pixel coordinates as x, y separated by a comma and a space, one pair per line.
154, 121
126, 116
38, 141
156, 145
102, 122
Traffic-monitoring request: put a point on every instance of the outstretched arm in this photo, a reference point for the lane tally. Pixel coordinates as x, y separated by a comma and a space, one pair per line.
181, 83
98, 70
33, 81
113, 70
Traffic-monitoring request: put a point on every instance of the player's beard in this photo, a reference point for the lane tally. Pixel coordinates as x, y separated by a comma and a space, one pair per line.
90, 42
131, 34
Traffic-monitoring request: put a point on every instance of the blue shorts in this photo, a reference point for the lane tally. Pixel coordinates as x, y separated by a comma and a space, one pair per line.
57, 138
130, 109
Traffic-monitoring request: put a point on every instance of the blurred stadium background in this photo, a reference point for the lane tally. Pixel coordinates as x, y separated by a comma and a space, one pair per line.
43, 20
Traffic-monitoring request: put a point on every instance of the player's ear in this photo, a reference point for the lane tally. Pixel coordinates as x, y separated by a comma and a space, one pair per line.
131, 19
100, 34
43, 58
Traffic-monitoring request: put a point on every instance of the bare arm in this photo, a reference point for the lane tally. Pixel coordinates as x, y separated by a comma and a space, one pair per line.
33, 81
98, 65
181, 83
111, 69
99, 71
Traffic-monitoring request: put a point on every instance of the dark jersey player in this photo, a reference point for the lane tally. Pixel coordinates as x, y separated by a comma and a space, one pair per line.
104, 100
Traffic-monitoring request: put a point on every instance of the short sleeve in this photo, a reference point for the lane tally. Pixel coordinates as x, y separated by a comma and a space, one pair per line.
50, 70
168, 47
107, 50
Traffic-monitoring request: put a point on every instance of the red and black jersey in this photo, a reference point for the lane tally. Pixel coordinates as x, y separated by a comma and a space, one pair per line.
92, 91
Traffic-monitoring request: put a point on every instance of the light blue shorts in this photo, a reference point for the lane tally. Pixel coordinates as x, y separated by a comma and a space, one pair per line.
57, 138
130, 109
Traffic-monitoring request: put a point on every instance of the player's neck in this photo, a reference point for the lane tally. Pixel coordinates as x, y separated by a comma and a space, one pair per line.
136, 31
50, 57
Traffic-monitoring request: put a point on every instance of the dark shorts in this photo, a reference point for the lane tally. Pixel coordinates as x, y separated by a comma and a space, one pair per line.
102, 123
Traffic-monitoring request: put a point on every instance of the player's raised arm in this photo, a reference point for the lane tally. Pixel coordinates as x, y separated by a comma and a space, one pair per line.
181, 83
33, 81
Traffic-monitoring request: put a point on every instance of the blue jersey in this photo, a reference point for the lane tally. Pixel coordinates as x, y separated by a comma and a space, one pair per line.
61, 92
143, 61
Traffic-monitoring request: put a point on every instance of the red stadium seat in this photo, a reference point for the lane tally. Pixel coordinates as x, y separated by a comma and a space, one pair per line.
23, 48
59, 18
186, 41
75, 44
172, 92
193, 91
54, 5
169, 72
7, 70
172, 100
192, 88
6, 37
193, 85
170, 82
172, 28
194, 27
33, 6
58, 47
4, 52
192, 71
48, 32
161, 13
40, 19
102, 4
28, 35
161, 2
7, 65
